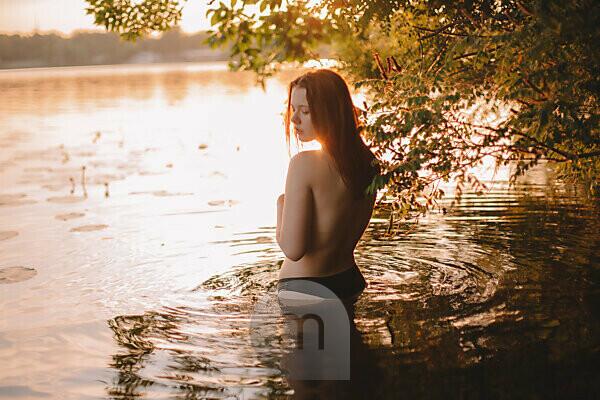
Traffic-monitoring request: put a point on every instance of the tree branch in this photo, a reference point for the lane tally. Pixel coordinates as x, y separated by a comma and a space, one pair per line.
524, 9
591, 154
567, 155
465, 56
434, 31
537, 89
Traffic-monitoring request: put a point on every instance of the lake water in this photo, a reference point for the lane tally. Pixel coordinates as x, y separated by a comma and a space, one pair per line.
137, 240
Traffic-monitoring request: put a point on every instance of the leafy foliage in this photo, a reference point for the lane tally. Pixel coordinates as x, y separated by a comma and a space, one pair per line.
135, 18
449, 83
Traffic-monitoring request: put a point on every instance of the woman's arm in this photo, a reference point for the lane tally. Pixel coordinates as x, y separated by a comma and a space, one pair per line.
280, 201
296, 211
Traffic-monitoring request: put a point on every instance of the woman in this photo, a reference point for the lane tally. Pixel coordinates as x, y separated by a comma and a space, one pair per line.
325, 208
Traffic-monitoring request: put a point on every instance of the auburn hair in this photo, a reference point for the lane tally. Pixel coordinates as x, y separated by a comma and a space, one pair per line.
335, 119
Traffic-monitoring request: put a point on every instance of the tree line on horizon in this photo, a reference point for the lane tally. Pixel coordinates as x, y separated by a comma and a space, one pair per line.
98, 48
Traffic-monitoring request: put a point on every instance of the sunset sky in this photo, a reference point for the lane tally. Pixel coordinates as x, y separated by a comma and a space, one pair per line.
66, 16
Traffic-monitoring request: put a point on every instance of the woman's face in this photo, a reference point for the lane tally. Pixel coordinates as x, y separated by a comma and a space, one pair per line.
303, 127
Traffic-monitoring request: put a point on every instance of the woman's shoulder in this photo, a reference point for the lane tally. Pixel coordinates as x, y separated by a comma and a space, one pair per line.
301, 166
306, 155
307, 159
308, 165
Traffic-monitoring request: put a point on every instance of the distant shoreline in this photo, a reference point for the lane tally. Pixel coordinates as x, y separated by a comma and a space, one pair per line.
54, 67
92, 49
159, 66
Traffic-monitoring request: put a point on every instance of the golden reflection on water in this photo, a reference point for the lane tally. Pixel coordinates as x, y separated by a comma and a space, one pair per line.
168, 234
188, 154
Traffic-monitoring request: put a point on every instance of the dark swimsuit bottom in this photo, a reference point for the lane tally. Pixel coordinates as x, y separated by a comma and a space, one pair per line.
347, 284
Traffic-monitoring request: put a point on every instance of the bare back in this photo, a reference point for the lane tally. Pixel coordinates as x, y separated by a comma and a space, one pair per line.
337, 224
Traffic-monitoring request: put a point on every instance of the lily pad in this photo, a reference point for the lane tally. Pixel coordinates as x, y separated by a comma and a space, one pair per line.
17, 199
5, 235
66, 217
16, 274
89, 228
66, 199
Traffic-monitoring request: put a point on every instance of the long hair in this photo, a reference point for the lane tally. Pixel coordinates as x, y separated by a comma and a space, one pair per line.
335, 120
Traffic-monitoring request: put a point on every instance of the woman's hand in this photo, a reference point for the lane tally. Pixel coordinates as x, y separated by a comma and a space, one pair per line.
280, 199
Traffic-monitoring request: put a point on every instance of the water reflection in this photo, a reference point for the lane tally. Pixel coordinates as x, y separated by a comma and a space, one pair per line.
499, 298
312, 369
460, 307
191, 352
216, 348
162, 187
103, 85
